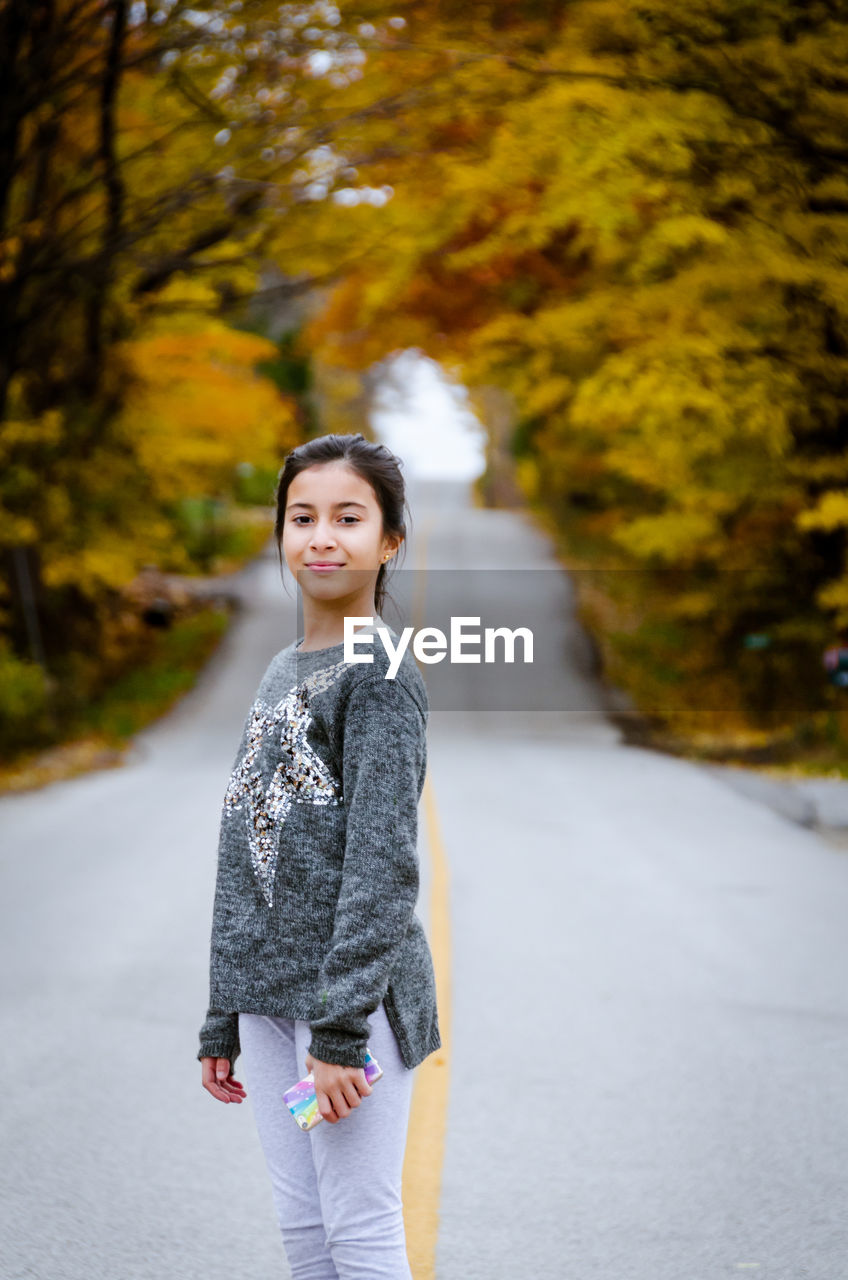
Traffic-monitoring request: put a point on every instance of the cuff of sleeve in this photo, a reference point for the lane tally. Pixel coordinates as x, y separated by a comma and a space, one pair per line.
219, 1049
340, 1050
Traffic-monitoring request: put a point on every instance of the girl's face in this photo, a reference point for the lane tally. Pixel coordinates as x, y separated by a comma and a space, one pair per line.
333, 518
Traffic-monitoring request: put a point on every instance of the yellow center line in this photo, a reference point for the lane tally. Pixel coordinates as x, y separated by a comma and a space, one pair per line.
425, 1147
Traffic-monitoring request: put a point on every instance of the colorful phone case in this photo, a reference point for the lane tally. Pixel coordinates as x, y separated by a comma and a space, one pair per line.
302, 1102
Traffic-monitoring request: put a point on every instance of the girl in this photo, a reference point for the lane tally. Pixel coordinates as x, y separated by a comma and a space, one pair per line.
316, 950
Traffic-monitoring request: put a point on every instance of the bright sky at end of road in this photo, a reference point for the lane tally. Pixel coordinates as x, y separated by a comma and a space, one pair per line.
427, 421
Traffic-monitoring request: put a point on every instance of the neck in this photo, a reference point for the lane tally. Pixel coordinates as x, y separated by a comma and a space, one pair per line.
324, 634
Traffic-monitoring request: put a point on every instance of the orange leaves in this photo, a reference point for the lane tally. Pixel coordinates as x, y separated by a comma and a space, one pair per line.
197, 408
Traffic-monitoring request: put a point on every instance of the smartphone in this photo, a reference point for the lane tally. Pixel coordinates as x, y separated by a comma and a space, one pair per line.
302, 1102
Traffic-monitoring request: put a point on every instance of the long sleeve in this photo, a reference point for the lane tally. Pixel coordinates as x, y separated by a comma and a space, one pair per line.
384, 756
219, 1037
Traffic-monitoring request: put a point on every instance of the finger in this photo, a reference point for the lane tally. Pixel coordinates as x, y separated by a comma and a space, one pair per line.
340, 1102
325, 1106
351, 1094
209, 1077
218, 1092
363, 1086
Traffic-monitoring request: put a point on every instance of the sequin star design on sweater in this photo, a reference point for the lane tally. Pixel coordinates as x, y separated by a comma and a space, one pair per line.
300, 774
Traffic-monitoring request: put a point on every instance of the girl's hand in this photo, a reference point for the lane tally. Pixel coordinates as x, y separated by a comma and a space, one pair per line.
218, 1079
337, 1088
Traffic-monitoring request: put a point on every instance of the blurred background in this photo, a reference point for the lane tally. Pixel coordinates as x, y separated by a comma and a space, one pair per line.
583, 264
589, 257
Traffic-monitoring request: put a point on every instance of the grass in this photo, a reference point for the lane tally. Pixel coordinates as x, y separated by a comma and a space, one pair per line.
98, 736
643, 657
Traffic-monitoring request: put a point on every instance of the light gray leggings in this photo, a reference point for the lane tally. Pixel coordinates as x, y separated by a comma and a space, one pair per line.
336, 1187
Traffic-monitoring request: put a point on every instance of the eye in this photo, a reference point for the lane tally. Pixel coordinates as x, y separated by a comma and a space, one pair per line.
297, 519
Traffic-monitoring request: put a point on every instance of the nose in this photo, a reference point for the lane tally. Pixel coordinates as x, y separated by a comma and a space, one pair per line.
322, 535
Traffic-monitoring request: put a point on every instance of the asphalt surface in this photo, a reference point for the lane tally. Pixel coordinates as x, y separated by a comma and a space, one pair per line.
650, 1018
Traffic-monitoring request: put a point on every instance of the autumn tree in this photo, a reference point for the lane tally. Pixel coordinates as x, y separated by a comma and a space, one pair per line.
636, 226
149, 155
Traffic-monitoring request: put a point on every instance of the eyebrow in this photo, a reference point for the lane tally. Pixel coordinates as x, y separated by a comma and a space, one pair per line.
336, 505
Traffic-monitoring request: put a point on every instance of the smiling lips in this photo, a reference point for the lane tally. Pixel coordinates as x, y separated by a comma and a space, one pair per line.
323, 564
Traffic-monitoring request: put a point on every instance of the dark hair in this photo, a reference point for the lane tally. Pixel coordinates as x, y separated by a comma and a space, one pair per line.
374, 463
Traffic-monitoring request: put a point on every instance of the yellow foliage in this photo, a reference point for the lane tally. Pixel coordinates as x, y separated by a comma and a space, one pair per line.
833, 596
40, 432
527, 477
830, 512
675, 536
109, 564
628, 218
197, 408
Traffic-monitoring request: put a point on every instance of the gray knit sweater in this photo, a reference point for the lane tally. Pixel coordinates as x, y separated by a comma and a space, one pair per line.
317, 882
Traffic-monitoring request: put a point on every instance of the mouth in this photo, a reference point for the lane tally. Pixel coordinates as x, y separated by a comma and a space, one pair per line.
324, 564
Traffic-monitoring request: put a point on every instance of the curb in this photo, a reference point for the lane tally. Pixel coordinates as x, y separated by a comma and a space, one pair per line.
809, 802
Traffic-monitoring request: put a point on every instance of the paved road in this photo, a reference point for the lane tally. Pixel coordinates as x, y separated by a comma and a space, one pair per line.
649, 1031
650, 1013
